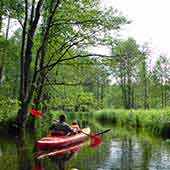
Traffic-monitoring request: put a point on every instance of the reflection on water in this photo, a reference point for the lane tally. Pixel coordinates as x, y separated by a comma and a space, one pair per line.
23, 154
134, 153
123, 155
0, 152
122, 150
61, 160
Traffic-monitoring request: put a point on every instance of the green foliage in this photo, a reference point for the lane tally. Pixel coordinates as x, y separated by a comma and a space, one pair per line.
72, 99
157, 121
9, 108
83, 84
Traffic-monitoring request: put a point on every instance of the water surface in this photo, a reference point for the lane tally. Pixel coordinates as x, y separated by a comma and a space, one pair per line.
123, 149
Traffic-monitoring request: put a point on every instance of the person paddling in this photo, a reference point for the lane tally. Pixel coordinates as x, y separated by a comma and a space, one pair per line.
75, 126
61, 128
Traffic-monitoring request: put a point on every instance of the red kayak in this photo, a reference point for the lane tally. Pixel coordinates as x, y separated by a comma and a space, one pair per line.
72, 148
51, 142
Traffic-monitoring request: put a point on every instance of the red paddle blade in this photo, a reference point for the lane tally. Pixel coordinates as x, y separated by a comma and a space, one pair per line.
36, 113
95, 141
38, 167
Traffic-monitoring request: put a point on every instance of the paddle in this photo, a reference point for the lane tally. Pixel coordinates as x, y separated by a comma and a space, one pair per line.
36, 113
105, 131
100, 133
96, 139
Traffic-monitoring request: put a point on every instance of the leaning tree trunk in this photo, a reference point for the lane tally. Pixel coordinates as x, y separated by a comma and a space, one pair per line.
26, 88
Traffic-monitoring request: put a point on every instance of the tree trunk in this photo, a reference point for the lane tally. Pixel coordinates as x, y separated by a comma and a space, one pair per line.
165, 97
123, 84
26, 88
7, 29
129, 83
162, 93
102, 96
133, 98
3, 50
146, 103
1, 74
22, 117
37, 102
145, 83
1, 20
129, 104
124, 97
98, 93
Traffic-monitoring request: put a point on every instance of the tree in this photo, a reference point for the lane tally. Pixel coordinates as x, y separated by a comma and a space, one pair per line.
80, 76
144, 75
38, 58
126, 70
161, 77
8, 9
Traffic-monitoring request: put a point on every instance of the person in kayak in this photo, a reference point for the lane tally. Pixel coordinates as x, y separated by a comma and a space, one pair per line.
61, 128
75, 126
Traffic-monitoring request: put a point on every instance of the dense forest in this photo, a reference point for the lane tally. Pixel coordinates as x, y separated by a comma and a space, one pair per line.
47, 61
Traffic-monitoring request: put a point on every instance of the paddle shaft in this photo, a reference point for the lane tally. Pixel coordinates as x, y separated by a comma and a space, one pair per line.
105, 131
100, 133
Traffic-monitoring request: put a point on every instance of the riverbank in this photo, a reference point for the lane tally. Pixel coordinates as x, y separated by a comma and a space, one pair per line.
156, 120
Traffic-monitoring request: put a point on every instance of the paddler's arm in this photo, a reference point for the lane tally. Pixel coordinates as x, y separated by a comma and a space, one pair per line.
69, 129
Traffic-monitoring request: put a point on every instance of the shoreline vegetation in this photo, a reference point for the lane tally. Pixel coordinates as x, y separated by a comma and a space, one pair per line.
156, 121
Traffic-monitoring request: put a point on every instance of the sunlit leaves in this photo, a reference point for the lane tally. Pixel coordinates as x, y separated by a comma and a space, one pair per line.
9, 108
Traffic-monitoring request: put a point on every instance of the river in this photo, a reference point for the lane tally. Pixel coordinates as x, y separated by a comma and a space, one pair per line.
122, 149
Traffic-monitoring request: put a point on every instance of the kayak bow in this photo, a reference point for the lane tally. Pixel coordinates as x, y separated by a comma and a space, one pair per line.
51, 142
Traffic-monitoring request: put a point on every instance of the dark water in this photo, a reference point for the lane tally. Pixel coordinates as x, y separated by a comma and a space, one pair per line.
123, 149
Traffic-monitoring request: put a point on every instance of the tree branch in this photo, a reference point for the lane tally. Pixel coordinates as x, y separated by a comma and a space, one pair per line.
74, 57
55, 83
62, 83
41, 51
23, 52
62, 22
61, 48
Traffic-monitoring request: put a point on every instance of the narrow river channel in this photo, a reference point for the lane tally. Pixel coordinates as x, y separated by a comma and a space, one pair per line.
122, 149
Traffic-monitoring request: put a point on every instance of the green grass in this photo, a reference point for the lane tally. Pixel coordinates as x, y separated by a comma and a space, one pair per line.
156, 120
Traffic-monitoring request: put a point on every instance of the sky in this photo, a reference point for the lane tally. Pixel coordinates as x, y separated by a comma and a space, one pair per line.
150, 22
